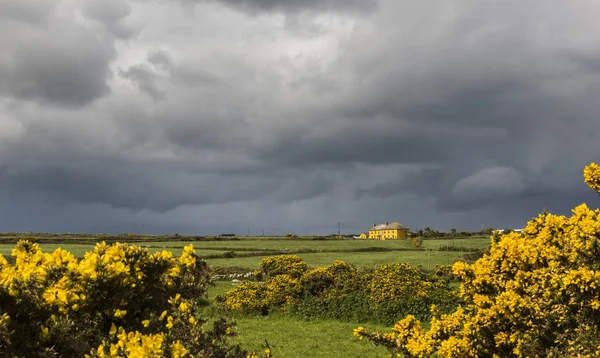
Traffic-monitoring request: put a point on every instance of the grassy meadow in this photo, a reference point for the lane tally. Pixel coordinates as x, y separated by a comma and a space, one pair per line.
291, 336
414, 258
247, 253
288, 335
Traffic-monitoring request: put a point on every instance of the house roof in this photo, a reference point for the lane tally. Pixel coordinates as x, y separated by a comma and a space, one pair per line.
390, 226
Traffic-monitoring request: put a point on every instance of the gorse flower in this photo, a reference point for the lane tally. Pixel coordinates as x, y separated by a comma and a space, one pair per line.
591, 175
117, 301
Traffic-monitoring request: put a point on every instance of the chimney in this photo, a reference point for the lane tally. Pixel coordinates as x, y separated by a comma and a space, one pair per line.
373, 224
386, 223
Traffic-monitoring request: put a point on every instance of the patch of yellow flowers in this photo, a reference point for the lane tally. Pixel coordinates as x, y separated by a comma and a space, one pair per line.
591, 175
277, 292
117, 301
534, 295
291, 265
398, 281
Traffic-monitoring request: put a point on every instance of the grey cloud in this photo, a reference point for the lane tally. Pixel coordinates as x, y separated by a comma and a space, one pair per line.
109, 12
294, 6
422, 183
59, 60
146, 79
50, 72
266, 118
490, 183
160, 69
145, 188
194, 76
303, 187
32, 13
113, 14
160, 57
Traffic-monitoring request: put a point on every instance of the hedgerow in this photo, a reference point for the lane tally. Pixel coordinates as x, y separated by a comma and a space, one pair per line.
119, 300
533, 295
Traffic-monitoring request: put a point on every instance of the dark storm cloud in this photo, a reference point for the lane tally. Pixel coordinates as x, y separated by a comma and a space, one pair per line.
71, 72
55, 59
481, 114
456, 114
145, 188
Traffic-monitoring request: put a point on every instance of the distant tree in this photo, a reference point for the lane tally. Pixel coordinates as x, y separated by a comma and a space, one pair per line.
487, 231
453, 231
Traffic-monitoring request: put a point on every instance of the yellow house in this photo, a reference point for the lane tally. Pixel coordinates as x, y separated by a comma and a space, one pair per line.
388, 231
363, 235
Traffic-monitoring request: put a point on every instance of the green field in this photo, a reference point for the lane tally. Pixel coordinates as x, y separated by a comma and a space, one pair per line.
320, 252
292, 337
414, 258
325, 245
289, 335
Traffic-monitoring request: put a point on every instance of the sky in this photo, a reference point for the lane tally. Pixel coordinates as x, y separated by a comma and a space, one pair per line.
203, 117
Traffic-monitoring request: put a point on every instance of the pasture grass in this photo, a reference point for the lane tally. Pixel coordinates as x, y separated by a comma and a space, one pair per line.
372, 254
360, 259
293, 336
321, 245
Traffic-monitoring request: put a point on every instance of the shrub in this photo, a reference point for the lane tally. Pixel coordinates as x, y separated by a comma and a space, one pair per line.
444, 271
275, 293
534, 294
399, 282
291, 265
280, 286
229, 254
317, 280
341, 291
119, 300
281, 291
248, 296
399, 289
417, 242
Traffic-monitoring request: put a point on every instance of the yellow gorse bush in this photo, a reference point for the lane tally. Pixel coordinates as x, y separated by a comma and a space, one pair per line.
291, 265
398, 281
286, 278
533, 295
117, 301
276, 292
340, 291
